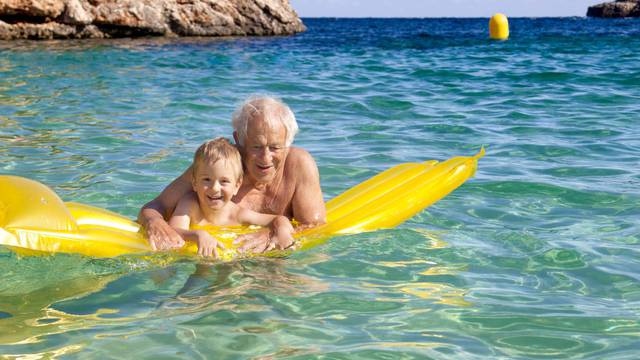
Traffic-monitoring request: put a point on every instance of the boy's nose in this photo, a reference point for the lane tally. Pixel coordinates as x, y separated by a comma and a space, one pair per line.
215, 186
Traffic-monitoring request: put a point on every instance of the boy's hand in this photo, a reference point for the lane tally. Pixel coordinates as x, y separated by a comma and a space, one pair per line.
208, 245
162, 236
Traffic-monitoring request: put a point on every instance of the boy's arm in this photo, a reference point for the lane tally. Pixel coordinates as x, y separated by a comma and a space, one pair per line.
153, 214
180, 221
250, 217
181, 218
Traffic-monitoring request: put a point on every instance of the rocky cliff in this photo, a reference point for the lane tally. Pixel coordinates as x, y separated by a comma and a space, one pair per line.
615, 9
63, 19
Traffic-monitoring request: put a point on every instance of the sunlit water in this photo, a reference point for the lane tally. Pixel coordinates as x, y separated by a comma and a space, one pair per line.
536, 257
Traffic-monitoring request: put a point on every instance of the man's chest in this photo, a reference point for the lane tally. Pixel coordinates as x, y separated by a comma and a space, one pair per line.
267, 201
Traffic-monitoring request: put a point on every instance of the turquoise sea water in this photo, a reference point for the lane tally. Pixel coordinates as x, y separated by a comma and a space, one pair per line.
536, 257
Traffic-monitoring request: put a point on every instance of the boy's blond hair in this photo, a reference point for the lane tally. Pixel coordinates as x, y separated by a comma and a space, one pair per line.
218, 149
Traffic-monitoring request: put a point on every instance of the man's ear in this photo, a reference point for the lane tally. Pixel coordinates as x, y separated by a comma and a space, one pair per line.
236, 138
193, 183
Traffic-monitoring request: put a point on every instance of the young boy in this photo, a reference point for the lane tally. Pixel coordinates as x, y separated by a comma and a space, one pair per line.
217, 176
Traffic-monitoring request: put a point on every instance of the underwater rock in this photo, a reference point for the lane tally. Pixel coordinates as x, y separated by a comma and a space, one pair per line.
615, 9
63, 19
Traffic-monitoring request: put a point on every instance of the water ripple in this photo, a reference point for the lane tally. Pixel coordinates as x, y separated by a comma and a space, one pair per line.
535, 257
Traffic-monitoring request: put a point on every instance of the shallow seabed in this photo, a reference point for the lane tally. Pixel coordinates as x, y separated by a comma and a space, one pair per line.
537, 257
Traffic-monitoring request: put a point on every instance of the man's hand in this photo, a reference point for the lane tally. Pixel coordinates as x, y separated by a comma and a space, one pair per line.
162, 236
282, 233
256, 242
263, 241
152, 215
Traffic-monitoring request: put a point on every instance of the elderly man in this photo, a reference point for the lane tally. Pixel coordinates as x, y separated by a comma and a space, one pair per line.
278, 178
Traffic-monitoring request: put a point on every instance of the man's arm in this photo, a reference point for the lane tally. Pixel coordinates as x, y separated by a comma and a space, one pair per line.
307, 203
153, 214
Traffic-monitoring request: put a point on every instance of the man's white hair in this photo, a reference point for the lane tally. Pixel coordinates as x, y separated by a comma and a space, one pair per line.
272, 109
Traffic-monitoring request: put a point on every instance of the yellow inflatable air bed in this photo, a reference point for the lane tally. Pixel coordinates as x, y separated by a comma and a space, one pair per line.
34, 220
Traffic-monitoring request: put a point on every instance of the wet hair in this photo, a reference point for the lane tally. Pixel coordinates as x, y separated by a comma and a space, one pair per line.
218, 149
272, 109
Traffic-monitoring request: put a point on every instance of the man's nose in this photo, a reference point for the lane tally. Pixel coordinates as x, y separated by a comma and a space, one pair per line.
215, 186
265, 154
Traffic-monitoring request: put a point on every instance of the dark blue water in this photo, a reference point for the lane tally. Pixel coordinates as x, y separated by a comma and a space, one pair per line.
537, 257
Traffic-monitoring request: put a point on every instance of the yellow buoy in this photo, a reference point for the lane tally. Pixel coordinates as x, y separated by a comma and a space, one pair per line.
499, 27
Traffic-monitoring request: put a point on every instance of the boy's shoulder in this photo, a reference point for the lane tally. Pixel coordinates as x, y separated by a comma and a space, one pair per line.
243, 215
237, 210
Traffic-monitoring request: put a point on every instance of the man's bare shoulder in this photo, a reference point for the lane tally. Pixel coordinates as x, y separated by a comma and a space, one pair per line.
299, 158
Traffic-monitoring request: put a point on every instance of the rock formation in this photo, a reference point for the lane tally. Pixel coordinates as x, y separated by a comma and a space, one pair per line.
615, 9
63, 19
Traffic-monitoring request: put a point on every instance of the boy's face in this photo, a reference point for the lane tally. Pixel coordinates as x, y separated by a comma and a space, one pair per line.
215, 184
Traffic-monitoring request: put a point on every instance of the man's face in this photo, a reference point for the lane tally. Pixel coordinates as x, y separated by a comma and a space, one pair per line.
264, 149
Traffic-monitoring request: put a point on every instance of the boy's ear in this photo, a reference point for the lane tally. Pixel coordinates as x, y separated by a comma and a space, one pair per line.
193, 183
238, 184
